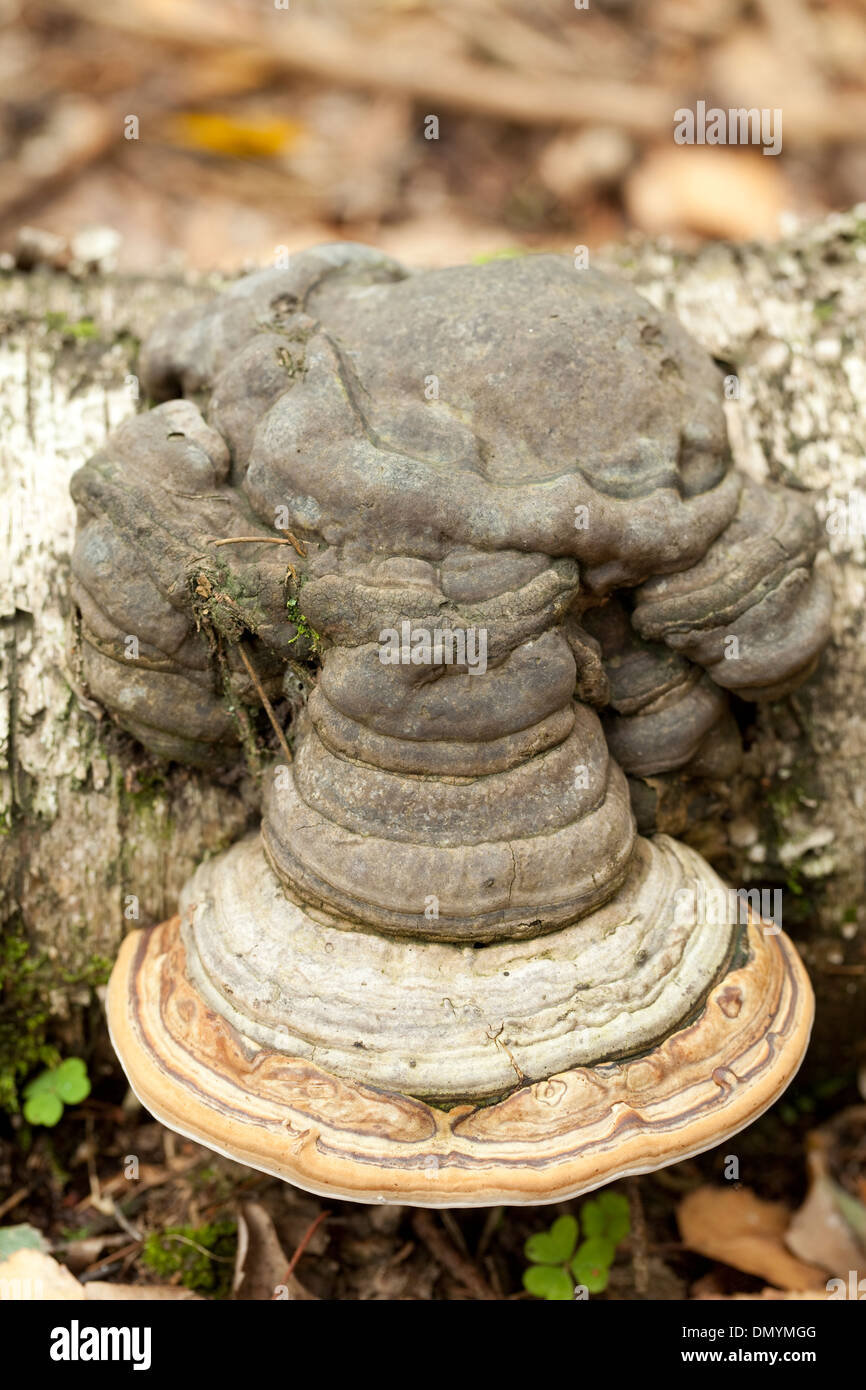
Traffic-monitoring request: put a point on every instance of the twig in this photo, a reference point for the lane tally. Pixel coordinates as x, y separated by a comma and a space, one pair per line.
495, 1278
250, 540
346, 59
491, 1221
269, 709
105, 1261
444, 1253
402, 1254
13, 1200
303, 1243
340, 58
262, 540
195, 496
452, 1226
202, 1249
287, 539
640, 1261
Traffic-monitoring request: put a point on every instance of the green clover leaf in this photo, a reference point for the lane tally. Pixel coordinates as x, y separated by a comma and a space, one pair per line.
605, 1221
553, 1247
607, 1215
43, 1108
617, 1217
548, 1281
46, 1094
71, 1081
592, 1216
592, 1261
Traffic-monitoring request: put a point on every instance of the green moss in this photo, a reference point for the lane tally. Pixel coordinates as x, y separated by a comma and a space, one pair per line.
506, 253
26, 981
84, 330
800, 905
148, 799
221, 604
203, 1256
129, 342
303, 625
789, 794
23, 1018
858, 232
786, 797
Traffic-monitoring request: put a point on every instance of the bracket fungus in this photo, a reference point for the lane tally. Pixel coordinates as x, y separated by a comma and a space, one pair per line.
448, 970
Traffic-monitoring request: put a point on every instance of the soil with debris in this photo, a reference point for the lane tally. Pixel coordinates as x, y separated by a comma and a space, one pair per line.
119, 1199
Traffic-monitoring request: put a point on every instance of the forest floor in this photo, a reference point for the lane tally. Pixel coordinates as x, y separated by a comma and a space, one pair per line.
116, 1198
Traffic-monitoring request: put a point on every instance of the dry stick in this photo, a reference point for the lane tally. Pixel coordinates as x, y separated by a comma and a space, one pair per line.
303, 1243
640, 1261
452, 1226
320, 51
14, 1200
345, 59
263, 540
491, 1221
259, 540
444, 1253
289, 539
105, 1261
202, 1249
269, 709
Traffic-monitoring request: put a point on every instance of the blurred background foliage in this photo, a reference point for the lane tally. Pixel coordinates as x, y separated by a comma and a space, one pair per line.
277, 123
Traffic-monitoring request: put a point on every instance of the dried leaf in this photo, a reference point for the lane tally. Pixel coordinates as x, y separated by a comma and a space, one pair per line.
739, 1229
830, 1227
713, 191
32, 1275
262, 1264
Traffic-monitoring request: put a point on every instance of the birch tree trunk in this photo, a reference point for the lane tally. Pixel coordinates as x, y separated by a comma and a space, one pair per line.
789, 322
92, 826
90, 823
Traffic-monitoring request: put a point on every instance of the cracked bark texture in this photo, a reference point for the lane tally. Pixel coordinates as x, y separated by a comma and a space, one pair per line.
90, 820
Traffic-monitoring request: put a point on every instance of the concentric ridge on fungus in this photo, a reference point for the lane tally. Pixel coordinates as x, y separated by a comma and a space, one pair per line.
448, 971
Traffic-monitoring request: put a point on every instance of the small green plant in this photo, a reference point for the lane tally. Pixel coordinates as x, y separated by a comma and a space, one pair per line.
46, 1095
199, 1257
558, 1261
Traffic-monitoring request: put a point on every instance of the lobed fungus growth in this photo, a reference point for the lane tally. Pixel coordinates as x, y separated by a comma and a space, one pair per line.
448, 970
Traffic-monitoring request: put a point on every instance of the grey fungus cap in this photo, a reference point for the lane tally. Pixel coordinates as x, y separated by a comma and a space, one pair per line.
570, 422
